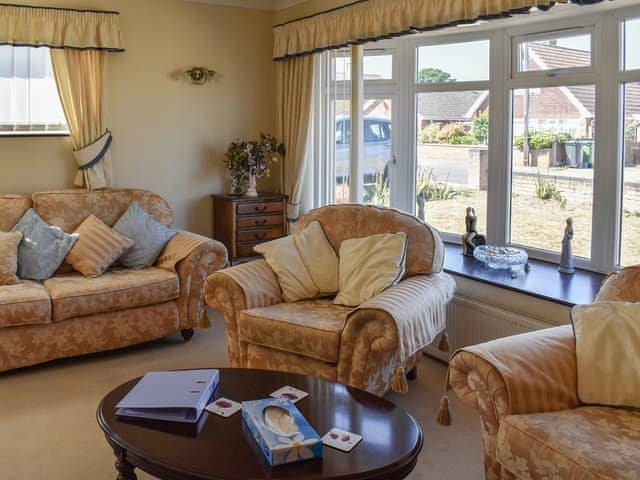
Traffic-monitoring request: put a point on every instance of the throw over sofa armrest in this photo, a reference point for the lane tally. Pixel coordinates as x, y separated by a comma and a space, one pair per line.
244, 286
193, 257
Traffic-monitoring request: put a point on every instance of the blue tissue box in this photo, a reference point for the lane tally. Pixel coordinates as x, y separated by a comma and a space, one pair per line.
282, 432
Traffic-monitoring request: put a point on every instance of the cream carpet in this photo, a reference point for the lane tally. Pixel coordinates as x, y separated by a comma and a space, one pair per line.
48, 428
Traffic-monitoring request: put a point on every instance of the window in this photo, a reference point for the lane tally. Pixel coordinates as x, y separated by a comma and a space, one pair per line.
519, 122
29, 101
452, 134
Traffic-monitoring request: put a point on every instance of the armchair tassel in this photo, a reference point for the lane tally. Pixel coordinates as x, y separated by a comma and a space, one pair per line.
399, 383
444, 412
443, 346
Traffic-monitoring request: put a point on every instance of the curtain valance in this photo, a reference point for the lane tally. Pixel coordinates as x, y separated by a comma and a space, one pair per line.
367, 20
59, 28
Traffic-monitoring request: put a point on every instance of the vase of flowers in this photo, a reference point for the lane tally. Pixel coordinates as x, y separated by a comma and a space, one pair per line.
248, 162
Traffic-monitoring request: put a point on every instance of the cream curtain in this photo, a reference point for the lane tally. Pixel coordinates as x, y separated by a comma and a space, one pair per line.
80, 79
369, 20
293, 96
59, 28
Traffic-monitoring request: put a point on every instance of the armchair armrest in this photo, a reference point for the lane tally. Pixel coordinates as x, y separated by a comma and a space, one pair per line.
244, 286
528, 373
393, 327
193, 257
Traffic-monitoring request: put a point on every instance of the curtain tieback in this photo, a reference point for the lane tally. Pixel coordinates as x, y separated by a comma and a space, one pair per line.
89, 156
293, 212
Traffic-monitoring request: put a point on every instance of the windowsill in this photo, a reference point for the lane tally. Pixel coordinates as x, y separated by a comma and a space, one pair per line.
34, 134
542, 281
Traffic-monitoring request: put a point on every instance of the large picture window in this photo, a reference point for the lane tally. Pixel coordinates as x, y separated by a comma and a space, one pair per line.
529, 125
29, 101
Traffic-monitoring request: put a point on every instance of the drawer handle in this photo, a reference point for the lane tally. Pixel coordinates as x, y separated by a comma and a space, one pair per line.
260, 222
260, 236
262, 208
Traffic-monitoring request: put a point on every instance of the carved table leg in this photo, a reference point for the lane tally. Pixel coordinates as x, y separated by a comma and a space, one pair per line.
126, 471
187, 333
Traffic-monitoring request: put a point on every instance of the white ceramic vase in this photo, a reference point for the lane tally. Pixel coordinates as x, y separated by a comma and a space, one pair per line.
251, 189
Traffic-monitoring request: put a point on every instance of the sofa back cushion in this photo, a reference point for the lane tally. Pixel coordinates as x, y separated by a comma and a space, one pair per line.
67, 209
425, 249
12, 208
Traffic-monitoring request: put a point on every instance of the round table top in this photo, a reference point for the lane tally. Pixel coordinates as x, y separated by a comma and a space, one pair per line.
225, 449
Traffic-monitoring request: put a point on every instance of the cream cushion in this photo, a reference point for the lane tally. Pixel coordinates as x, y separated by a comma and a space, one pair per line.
306, 264
370, 265
608, 353
9, 257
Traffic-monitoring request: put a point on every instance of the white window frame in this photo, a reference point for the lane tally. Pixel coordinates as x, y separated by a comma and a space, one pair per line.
605, 72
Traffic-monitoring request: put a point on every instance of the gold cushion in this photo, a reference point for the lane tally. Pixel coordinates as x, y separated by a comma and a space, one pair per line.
608, 353
311, 328
306, 264
98, 246
9, 257
24, 303
370, 265
73, 295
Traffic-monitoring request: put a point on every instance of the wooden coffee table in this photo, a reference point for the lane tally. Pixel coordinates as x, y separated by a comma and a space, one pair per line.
224, 448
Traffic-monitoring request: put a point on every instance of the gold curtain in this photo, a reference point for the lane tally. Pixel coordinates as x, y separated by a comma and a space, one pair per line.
293, 96
376, 19
80, 80
59, 28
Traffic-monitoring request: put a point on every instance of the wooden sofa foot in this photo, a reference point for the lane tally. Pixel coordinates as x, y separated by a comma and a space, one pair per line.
187, 333
413, 374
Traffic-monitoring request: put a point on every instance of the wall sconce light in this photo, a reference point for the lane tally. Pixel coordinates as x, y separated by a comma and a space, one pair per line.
199, 75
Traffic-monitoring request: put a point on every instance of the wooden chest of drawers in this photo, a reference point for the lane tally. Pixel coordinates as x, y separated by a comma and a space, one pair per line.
242, 222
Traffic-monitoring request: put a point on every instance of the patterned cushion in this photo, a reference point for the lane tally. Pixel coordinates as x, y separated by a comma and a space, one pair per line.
25, 303
73, 295
311, 328
149, 235
370, 265
12, 208
584, 443
9, 257
43, 247
97, 247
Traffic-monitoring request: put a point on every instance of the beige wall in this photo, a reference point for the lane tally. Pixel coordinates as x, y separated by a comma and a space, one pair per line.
169, 136
308, 8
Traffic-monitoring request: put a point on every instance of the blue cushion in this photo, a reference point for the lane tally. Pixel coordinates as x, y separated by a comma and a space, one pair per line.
149, 235
43, 248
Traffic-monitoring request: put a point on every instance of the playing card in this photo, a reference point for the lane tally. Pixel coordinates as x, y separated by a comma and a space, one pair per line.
223, 407
341, 439
290, 393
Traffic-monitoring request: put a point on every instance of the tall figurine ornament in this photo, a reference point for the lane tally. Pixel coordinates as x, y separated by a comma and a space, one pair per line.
471, 239
566, 257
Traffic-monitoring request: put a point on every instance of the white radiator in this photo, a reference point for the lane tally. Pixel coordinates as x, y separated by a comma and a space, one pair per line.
470, 321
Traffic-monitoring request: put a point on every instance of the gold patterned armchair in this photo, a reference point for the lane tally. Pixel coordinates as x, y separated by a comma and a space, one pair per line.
525, 389
361, 347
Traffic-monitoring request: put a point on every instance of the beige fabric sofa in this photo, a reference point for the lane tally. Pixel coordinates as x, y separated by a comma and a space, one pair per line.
358, 347
534, 427
69, 315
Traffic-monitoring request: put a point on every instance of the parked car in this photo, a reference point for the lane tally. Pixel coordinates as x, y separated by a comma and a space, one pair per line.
377, 147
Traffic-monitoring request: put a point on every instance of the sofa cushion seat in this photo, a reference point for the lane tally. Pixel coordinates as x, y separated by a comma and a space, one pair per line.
24, 303
73, 295
584, 443
311, 328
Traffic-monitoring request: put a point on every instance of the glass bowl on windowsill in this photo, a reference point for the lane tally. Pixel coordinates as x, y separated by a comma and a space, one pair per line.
502, 258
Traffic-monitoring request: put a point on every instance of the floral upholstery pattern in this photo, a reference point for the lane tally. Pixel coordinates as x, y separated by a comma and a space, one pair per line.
67, 209
123, 307
311, 328
12, 208
582, 443
28, 345
525, 389
73, 295
24, 303
425, 249
621, 286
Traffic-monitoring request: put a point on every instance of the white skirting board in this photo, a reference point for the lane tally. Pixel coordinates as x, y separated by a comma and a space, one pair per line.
470, 321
